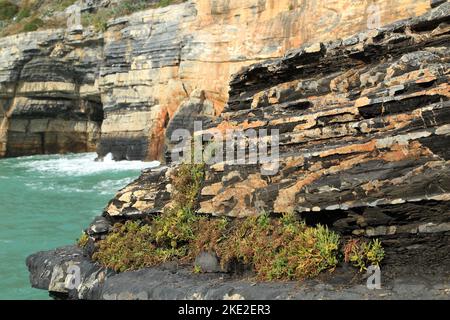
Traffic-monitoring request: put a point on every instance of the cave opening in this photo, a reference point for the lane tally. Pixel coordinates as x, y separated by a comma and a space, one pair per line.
54, 126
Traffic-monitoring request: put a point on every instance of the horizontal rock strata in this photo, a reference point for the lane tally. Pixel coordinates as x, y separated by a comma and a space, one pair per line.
363, 128
49, 102
150, 63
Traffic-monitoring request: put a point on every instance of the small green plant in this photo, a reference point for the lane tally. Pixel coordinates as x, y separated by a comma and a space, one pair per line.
128, 247
164, 3
98, 20
33, 25
7, 10
209, 233
23, 14
280, 249
175, 228
363, 254
197, 269
135, 245
83, 240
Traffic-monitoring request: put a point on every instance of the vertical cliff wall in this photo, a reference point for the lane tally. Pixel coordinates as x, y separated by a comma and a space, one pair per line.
147, 65
48, 99
155, 60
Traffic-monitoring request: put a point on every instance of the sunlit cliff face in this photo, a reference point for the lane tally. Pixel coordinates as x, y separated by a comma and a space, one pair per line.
148, 64
199, 44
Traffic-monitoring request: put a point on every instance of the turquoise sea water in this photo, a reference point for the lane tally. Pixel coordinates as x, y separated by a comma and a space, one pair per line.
45, 202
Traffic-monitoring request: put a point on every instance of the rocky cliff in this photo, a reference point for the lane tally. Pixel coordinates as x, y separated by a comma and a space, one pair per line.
132, 79
364, 132
48, 99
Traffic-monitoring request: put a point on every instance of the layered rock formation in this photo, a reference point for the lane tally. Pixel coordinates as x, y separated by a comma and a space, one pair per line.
48, 97
149, 64
363, 122
155, 60
363, 129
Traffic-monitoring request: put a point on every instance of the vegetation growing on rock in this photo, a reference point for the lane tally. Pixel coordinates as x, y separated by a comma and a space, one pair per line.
134, 245
281, 249
32, 15
83, 240
7, 10
276, 248
99, 19
363, 253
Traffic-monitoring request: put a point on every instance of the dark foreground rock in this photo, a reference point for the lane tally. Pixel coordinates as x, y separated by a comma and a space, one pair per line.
48, 271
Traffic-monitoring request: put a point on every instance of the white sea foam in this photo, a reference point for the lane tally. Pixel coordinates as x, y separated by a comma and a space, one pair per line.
81, 164
105, 187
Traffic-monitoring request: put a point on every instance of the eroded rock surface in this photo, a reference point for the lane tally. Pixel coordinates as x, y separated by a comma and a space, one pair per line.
363, 125
49, 100
48, 269
147, 65
364, 132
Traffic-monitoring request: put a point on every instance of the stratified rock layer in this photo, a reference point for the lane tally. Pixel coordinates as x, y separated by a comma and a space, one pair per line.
48, 98
364, 132
155, 60
150, 63
364, 129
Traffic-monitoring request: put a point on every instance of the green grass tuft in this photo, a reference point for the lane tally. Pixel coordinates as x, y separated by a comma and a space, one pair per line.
8, 10
83, 240
33, 25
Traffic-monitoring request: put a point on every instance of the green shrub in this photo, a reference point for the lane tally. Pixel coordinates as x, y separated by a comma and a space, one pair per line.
7, 10
281, 249
33, 25
128, 247
83, 240
133, 245
23, 13
209, 233
363, 254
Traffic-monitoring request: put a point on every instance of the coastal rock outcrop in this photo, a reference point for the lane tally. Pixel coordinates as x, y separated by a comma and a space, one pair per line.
49, 269
156, 59
363, 129
49, 102
146, 65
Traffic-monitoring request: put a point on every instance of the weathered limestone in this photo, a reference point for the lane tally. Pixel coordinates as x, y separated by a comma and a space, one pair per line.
150, 63
364, 132
48, 95
155, 60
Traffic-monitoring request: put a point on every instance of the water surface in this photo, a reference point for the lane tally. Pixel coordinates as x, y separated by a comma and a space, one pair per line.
45, 202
